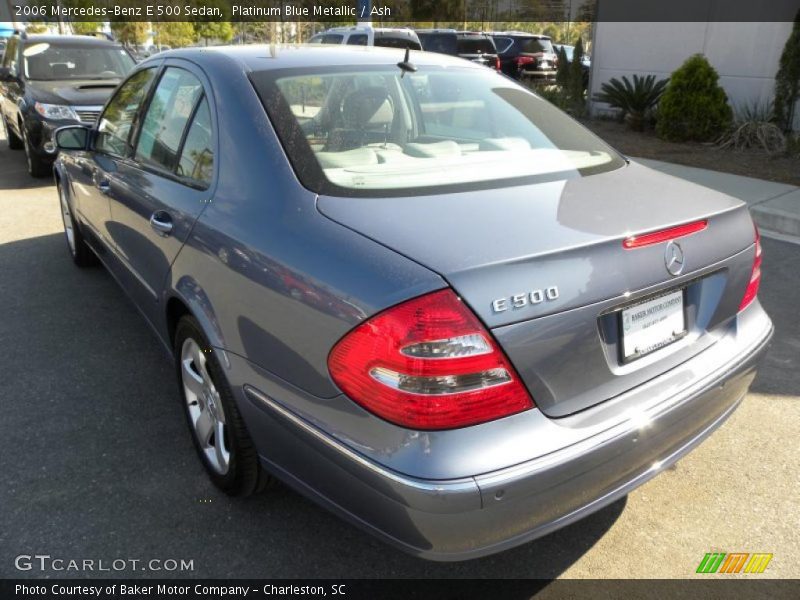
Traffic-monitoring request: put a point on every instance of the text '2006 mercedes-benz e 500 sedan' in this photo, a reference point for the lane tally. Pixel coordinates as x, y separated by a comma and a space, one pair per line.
412, 289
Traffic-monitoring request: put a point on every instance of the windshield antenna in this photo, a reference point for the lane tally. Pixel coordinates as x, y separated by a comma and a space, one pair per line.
406, 66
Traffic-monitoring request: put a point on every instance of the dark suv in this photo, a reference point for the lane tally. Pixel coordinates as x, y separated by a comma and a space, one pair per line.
524, 55
477, 47
47, 82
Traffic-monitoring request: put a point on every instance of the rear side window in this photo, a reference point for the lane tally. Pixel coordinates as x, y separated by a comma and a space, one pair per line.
476, 45
503, 44
197, 156
171, 108
115, 124
358, 39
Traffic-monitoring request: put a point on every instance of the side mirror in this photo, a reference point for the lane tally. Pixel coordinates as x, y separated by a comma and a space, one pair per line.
72, 137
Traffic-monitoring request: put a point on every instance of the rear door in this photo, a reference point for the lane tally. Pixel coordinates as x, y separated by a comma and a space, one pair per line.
161, 191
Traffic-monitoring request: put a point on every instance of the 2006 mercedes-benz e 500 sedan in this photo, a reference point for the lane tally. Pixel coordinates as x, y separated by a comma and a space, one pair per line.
412, 289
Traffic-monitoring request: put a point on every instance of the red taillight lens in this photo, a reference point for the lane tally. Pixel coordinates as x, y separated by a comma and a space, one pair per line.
497, 63
428, 364
655, 237
525, 60
755, 276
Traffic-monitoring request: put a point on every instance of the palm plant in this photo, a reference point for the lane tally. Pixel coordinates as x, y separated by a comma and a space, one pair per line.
636, 99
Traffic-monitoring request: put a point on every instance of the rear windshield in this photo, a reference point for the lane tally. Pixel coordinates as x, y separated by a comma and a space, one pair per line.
367, 131
443, 43
45, 61
476, 45
534, 45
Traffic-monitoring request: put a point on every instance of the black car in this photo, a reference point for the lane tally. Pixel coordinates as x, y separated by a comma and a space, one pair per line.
47, 82
474, 46
524, 55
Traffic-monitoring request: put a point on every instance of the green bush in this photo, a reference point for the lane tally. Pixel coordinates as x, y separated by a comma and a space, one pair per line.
635, 99
694, 106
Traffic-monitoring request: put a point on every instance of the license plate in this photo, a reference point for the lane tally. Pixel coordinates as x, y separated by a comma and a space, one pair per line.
652, 324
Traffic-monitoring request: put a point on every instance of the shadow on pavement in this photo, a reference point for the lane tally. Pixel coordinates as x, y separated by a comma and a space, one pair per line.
98, 461
780, 296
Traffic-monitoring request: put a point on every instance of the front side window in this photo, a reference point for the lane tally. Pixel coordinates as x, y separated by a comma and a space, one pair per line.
357, 39
369, 131
10, 57
167, 116
44, 61
197, 156
332, 38
116, 122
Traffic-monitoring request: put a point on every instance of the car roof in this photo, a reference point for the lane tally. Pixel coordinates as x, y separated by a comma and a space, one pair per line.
69, 40
265, 57
519, 34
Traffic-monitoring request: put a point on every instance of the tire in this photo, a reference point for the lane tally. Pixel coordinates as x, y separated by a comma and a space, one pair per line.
36, 166
209, 406
79, 250
13, 140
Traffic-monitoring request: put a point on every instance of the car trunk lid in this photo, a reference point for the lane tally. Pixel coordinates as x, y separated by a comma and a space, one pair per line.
562, 242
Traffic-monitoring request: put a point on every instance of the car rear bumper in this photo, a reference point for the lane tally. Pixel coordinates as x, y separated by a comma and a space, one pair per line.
487, 513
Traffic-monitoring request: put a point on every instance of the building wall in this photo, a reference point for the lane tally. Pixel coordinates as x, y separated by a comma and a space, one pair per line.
746, 55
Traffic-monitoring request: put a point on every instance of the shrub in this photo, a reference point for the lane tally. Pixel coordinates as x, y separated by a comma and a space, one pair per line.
635, 99
787, 80
753, 128
575, 85
694, 106
562, 75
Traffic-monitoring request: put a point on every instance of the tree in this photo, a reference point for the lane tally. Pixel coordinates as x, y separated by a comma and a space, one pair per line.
213, 30
175, 34
132, 33
787, 80
86, 27
575, 86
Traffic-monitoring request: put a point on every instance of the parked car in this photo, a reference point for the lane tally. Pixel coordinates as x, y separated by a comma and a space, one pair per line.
526, 55
47, 82
471, 45
412, 289
394, 37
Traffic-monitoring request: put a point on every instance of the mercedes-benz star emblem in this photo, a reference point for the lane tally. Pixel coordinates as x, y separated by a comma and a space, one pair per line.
673, 258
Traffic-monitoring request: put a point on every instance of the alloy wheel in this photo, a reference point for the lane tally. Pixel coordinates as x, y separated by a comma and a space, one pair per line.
204, 406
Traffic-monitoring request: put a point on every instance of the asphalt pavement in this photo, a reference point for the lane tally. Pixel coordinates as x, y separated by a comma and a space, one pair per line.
97, 462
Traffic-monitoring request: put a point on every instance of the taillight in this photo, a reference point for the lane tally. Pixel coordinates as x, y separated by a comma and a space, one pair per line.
525, 60
656, 237
755, 276
428, 364
497, 63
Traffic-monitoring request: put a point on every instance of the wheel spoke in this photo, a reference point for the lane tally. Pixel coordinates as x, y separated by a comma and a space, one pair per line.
204, 427
192, 381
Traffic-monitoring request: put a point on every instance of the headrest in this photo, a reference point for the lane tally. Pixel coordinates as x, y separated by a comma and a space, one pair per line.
433, 150
369, 107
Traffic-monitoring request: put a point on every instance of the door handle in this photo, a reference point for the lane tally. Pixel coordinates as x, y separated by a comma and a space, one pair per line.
161, 222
